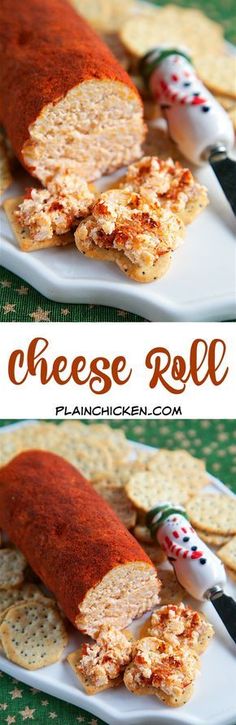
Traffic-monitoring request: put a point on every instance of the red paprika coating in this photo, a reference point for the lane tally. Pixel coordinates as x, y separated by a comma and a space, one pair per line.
67, 532
46, 49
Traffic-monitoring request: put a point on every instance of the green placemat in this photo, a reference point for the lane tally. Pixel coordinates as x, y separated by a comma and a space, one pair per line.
21, 302
213, 440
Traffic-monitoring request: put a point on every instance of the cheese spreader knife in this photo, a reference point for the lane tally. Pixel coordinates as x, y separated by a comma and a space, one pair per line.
197, 123
197, 568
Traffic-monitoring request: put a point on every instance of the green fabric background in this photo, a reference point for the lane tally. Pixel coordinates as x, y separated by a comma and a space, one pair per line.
213, 440
28, 305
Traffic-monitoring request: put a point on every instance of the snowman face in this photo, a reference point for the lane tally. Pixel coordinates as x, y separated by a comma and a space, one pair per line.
174, 81
178, 538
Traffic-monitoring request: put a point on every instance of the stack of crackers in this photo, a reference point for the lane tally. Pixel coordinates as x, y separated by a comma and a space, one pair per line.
132, 28
32, 630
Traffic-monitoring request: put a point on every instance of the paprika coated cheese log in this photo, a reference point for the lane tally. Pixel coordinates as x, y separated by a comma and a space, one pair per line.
65, 101
75, 543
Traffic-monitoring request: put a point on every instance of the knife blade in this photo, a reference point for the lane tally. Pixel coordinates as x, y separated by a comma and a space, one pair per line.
197, 123
225, 607
225, 170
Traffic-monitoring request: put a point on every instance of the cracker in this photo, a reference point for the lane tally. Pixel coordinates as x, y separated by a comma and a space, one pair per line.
33, 634
227, 554
12, 565
104, 15
134, 271
74, 660
93, 451
185, 469
22, 236
225, 101
148, 488
43, 436
171, 592
5, 172
213, 513
8, 597
231, 573
171, 26
119, 502
155, 553
25, 594
212, 539
218, 72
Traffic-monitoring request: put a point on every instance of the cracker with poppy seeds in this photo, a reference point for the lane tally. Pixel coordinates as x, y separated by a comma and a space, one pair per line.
146, 487
74, 660
33, 634
213, 513
100, 664
217, 72
185, 468
12, 566
9, 597
181, 625
22, 236
227, 554
160, 668
172, 26
215, 540
125, 227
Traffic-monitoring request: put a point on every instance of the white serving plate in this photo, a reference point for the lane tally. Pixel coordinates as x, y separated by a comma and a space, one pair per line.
200, 284
213, 702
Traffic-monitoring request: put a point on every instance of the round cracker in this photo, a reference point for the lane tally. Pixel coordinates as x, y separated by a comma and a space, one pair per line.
12, 565
148, 488
33, 634
182, 466
8, 597
228, 554
213, 512
172, 26
217, 72
212, 539
104, 15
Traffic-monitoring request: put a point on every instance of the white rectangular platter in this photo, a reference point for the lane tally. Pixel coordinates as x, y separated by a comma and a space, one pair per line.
200, 284
213, 702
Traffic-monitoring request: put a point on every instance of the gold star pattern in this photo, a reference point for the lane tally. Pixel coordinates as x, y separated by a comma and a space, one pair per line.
22, 290
10, 719
15, 693
27, 713
44, 703
3, 705
8, 308
6, 283
40, 315
52, 715
65, 311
